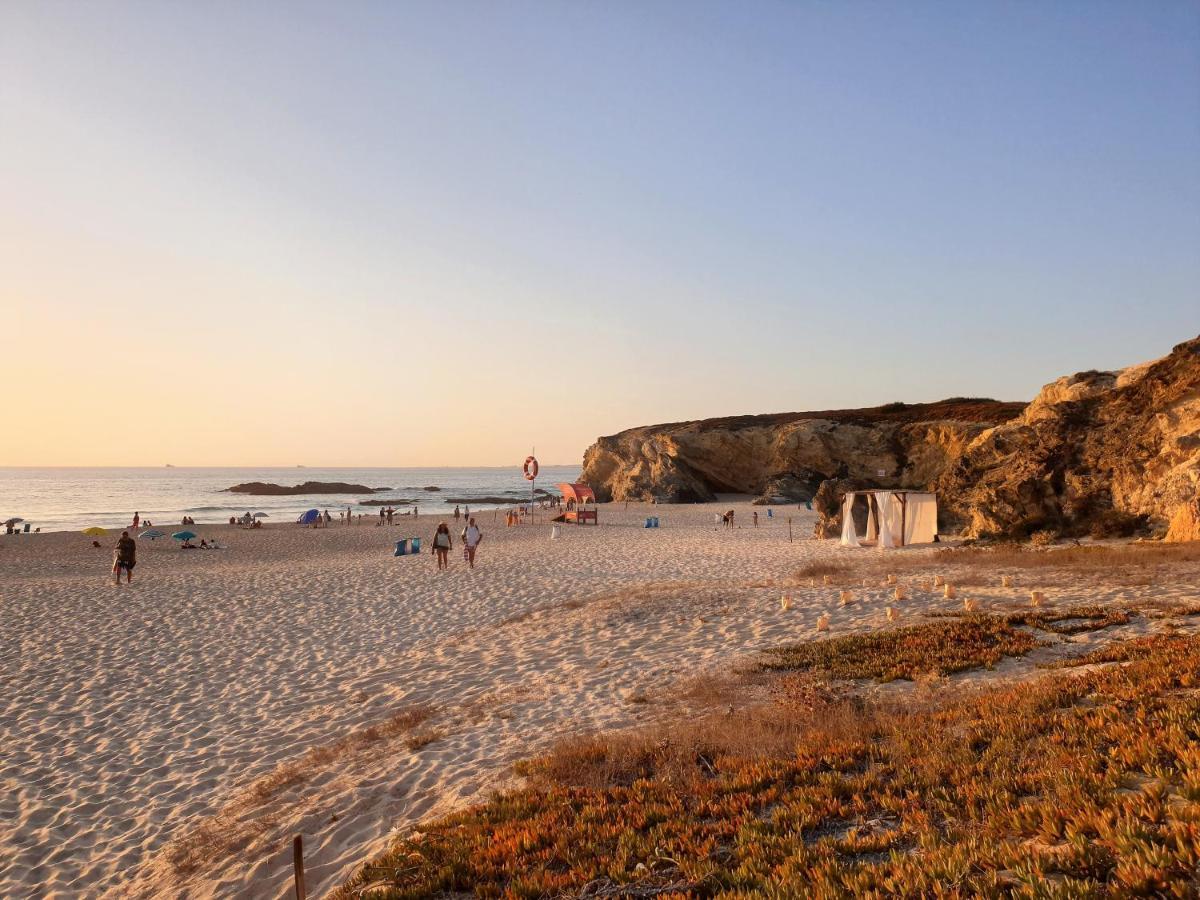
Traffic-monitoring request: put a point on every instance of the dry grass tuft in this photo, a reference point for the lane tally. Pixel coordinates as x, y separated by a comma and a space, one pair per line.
242, 820
420, 739
838, 570
297, 771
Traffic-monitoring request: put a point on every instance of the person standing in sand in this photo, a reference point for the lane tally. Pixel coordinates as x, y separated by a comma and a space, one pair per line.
754, 515
136, 518
124, 557
471, 537
457, 513
442, 545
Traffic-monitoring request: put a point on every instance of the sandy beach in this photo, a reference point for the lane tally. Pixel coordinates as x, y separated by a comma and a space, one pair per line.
170, 738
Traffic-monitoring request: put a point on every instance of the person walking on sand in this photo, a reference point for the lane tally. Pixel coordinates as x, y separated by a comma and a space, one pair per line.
442, 545
124, 557
457, 513
471, 537
136, 518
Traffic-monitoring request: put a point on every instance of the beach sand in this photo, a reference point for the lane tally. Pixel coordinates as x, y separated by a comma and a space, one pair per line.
170, 738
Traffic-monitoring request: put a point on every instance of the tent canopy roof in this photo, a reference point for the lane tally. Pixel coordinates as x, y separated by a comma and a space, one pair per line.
889, 491
578, 492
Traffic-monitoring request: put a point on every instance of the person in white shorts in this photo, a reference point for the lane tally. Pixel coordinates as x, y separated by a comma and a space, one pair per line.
471, 537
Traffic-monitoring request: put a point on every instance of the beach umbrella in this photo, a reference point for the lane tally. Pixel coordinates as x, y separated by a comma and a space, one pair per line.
261, 516
94, 531
152, 534
13, 521
309, 517
184, 535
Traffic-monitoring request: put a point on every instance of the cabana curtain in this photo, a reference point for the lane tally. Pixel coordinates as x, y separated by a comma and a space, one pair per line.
897, 518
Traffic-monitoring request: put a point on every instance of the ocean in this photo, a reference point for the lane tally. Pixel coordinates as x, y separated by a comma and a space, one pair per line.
66, 499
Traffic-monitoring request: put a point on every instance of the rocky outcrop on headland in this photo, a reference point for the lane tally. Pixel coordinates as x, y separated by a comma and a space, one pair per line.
787, 457
264, 489
1105, 453
1102, 453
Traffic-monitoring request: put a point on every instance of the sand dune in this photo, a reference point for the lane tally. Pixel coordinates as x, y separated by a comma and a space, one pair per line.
168, 739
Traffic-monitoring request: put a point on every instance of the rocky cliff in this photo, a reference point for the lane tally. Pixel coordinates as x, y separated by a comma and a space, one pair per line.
1107, 453
788, 456
1100, 452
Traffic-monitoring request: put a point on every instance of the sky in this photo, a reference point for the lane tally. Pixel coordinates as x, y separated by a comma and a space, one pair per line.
424, 234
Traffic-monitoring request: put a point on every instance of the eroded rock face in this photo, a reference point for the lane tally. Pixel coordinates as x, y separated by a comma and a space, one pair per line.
1110, 453
787, 457
1093, 451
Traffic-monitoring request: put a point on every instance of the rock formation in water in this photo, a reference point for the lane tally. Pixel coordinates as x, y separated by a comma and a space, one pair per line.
1098, 452
264, 489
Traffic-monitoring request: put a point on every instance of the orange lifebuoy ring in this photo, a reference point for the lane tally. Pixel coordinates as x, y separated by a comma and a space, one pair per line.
530, 468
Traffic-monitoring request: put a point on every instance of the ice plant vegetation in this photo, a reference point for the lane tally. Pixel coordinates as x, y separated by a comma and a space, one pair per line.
1076, 786
941, 647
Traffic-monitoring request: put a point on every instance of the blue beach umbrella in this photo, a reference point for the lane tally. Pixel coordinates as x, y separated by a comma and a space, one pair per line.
152, 533
309, 517
184, 535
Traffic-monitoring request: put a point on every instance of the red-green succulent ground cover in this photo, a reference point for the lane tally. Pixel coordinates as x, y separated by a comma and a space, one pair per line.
941, 648
1084, 784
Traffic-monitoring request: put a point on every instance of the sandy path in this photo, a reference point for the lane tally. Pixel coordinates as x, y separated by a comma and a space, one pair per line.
133, 717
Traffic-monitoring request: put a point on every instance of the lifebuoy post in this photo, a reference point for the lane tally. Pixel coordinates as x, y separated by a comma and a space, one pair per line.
531, 472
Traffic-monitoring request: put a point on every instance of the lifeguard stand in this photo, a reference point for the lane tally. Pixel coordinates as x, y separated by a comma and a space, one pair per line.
580, 504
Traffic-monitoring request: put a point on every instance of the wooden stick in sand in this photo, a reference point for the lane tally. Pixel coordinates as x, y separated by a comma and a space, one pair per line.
298, 866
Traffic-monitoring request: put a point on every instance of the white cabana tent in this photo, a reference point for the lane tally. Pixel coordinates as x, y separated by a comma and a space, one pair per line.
894, 518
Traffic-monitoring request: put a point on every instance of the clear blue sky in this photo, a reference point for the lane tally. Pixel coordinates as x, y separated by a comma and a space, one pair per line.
367, 208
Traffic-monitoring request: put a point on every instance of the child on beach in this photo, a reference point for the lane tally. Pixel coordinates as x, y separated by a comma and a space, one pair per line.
442, 545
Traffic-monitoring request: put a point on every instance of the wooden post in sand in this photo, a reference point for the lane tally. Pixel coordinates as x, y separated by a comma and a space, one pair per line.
789, 529
298, 865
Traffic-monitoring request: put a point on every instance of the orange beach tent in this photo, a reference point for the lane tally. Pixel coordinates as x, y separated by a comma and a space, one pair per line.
580, 502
